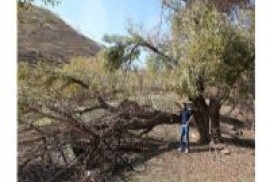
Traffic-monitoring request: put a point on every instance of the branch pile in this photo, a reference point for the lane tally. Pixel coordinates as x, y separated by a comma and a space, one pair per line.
73, 148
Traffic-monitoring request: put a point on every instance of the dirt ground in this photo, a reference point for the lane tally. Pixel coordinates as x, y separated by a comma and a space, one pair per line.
234, 164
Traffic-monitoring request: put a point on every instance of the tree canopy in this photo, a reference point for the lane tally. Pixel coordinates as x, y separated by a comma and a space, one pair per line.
205, 44
208, 45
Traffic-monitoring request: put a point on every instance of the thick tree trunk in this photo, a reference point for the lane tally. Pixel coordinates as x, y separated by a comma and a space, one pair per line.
202, 118
214, 108
207, 114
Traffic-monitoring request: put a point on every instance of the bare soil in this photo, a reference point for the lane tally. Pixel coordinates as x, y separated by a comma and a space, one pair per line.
200, 164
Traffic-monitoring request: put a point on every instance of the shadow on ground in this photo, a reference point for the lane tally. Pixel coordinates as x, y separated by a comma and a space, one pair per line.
240, 142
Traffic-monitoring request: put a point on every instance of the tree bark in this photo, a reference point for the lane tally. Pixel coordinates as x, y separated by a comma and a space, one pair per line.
202, 118
214, 108
207, 114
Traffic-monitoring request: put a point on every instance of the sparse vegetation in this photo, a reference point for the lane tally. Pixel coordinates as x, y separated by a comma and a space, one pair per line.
44, 37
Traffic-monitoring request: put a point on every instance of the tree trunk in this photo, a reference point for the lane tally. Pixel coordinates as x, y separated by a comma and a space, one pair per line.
202, 118
204, 114
214, 108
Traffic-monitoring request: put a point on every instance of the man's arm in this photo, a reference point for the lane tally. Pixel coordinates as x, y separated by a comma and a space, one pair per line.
178, 104
190, 119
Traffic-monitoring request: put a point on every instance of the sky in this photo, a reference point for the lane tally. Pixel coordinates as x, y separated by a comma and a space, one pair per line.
94, 18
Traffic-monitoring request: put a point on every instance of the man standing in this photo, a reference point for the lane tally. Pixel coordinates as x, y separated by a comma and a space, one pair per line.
185, 118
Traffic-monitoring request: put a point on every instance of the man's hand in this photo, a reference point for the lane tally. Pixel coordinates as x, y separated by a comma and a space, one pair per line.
178, 104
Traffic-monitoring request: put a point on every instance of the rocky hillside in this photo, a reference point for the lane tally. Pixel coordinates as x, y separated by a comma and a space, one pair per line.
42, 36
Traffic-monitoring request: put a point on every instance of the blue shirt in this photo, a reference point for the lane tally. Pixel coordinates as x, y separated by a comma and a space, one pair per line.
184, 116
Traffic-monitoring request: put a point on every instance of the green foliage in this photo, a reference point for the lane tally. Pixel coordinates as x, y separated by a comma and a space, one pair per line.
207, 44
122, 53
114, 57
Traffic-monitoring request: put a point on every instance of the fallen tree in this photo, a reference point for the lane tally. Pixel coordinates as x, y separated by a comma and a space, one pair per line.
95, 143
81, 148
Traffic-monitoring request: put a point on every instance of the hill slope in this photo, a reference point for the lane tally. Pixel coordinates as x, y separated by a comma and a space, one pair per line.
44, 36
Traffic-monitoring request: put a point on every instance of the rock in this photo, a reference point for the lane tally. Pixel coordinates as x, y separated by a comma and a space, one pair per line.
231, 127
216, 146
225, 152
69, 154
239, 133
195, 136
57, 158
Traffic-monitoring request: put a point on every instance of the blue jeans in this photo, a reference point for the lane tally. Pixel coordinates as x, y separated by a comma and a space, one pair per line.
184, 137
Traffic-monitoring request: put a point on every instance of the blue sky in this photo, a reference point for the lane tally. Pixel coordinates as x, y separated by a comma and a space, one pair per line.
94, 18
